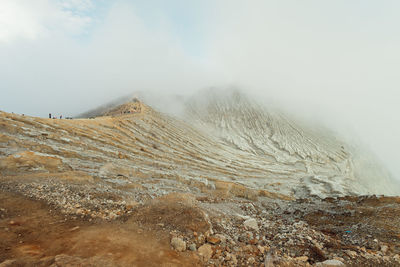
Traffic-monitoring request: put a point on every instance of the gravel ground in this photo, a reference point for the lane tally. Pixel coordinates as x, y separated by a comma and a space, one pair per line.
229, 231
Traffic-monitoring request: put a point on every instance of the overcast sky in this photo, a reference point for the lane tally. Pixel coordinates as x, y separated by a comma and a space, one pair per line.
335, 61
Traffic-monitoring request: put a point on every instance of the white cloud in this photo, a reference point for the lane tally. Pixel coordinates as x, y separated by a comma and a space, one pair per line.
77, 5
61, 74
18, 21
25, 19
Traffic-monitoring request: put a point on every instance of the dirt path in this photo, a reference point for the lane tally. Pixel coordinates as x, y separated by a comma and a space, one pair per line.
35, 234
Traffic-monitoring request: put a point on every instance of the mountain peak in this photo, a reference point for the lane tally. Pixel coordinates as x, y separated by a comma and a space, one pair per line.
132, 107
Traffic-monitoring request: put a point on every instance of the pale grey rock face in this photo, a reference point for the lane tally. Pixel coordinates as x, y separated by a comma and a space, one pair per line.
305, 159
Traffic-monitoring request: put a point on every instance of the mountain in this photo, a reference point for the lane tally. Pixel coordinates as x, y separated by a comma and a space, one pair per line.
307, 158
216, 178
234, 138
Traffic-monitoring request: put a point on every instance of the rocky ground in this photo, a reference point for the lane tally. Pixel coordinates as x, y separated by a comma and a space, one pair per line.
50, 222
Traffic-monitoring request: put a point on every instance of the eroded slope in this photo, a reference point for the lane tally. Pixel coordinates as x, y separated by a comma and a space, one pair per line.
221, 189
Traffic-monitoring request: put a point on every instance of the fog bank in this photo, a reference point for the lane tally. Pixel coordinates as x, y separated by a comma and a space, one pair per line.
335, 63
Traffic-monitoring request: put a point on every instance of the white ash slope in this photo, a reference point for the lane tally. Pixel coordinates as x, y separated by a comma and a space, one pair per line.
226, 143
304, 160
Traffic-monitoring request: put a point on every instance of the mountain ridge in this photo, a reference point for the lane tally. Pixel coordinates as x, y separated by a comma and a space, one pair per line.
278, 148
226, 177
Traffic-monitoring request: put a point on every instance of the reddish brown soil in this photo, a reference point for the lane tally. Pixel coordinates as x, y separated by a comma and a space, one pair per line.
33, 233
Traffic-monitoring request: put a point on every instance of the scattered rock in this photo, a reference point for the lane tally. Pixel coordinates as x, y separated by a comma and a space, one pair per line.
251, 224
192, 247
178, 244
243, 238
221, 237
251, 260
270, 258
330, 263
384, 249
339, 259
205, 251
317, 249
213, 240
351, 253
234, 260
302, 258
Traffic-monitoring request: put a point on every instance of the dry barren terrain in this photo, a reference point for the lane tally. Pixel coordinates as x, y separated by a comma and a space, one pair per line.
136, 187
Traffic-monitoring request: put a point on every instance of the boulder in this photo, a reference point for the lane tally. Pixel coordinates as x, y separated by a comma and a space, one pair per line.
251, 224
330, 263
178, 244
205, 251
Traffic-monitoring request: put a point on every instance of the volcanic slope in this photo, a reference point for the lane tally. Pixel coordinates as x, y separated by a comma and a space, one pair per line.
222, 141
306, 159
302, 161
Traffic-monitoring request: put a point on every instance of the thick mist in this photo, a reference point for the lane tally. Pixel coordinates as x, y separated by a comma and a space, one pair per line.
65, 71
335, 63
